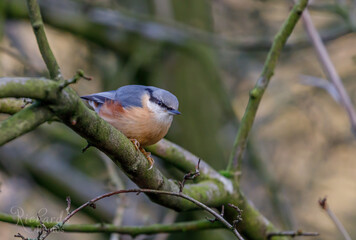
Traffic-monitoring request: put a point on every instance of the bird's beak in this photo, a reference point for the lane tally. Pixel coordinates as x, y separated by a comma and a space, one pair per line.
174, 112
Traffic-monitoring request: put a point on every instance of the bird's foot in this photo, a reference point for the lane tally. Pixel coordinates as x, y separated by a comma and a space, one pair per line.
148, 157
135, 143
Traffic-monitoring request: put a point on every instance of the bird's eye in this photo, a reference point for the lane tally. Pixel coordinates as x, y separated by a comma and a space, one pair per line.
160, 103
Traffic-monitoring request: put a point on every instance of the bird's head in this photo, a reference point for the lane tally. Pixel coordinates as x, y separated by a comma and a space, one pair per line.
162, 103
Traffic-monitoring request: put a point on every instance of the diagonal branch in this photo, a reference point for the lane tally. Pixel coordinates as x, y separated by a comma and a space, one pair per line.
257, 92
23, 122
38, 28
325, 206
329, 68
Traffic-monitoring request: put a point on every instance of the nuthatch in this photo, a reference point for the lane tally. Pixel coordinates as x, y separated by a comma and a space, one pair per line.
142, 113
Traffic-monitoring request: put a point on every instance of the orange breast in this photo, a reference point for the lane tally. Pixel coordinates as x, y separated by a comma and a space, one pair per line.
135, 122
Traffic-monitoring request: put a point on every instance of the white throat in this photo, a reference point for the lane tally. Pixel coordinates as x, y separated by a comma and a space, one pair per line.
161, 114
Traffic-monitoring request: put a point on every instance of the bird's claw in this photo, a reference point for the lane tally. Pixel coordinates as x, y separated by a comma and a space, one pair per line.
147, 154
148, 157
135, 143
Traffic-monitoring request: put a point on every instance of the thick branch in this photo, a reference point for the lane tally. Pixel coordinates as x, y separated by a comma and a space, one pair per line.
23, 122
35, 88
11, 105
110, 228
262, 83
38, 28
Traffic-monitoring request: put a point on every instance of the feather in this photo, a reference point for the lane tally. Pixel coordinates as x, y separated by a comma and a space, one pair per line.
131, 95
100, 97
97, 100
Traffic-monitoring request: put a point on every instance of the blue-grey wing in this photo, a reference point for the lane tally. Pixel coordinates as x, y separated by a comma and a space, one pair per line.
96, 100
100, 97
131, 95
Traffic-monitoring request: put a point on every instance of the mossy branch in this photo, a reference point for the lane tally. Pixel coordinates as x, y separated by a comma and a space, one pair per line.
257, 92
110, 228
23, 122
11, 105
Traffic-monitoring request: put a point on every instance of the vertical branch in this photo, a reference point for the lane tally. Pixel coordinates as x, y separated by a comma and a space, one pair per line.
329, 68
38, 28
262, 83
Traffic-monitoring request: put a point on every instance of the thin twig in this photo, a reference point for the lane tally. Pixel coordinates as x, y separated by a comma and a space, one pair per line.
323, 204
69, 202
221, 214
239, 214
19, 235
297, 233
138, 191
261, 85
329, 68
74, 79
190, 176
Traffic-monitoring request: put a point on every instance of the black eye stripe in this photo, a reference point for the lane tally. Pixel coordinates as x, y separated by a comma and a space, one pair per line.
157, 101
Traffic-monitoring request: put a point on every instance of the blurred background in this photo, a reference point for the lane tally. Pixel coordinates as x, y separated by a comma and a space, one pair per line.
209, 54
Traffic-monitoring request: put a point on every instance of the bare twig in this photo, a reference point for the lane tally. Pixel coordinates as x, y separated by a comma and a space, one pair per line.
19, 235
190, 176
329, 68
221, 214
138, 191
74, 79
69, 202
323, 204
239, 214
297, 233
